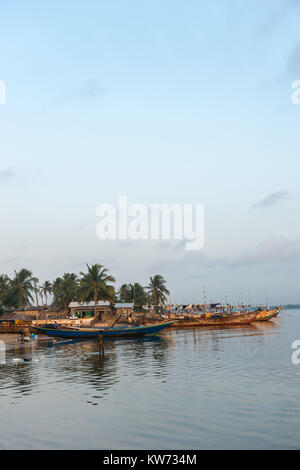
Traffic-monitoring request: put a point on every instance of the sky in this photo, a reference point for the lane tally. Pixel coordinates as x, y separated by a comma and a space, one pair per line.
164, 102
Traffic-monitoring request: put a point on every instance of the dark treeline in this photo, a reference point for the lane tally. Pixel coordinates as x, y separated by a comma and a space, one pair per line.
292, 307
23, 289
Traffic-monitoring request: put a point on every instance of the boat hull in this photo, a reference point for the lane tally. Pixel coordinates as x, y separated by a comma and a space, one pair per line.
14, 326
88, 333
266, 315
234, 319
277, 311
10, 330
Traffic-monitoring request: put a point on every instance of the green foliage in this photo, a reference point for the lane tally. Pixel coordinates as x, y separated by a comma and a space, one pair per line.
157, 290
133, 292
46, 289
4, 288
94, 285
17, 292
64, 290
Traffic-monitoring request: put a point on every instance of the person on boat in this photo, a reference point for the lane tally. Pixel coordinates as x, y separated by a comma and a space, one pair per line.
24, 334
131, 320
129, 317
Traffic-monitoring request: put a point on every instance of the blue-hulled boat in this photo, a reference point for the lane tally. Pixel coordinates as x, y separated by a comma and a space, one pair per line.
85, 333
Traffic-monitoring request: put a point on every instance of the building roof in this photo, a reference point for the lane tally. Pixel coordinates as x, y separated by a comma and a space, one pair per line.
124, 305
100, 303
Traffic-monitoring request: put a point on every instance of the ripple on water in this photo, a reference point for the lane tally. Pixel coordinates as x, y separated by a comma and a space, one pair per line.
206, 388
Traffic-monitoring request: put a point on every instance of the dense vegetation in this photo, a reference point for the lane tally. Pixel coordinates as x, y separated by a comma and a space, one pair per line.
23, 290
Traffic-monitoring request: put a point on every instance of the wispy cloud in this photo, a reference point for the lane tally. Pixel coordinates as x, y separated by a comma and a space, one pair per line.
270, 200
293, 62
277, 16
88, 90
273, 250
6, 175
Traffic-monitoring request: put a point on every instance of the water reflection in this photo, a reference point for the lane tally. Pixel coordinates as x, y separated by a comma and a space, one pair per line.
179, 389
78, 362
21, 380
2, 353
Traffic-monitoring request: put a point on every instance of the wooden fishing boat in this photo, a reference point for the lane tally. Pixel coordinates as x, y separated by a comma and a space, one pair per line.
10, 329
266, 315
106, 332
240, 318
13, 326
277, 310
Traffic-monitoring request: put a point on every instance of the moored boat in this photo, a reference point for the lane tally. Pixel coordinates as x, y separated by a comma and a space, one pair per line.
277, 310
240, 318
13, 326
86, 333
266, 315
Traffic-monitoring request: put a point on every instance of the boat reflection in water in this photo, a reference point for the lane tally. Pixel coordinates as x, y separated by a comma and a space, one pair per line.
76, 361
176, 390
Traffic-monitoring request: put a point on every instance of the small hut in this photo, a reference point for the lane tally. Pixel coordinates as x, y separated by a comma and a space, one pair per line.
88, 309
123, 308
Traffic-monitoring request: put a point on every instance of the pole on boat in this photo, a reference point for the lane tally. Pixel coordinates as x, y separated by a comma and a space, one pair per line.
249, 299
132, 315
95, 308
204, 298
266, 297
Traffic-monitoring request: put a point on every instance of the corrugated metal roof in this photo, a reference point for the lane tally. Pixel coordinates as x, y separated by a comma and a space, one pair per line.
101, 303
124, 305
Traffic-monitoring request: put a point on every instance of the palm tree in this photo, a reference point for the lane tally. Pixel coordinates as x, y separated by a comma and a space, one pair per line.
157, 289
36, 290
94, 285
56, 289
46, 289
21, 287
124, 293
4, 291
133, 292
4, 286
65, 289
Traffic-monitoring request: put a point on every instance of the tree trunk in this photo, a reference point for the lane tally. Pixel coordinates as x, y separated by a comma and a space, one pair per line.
96, 304
37, 300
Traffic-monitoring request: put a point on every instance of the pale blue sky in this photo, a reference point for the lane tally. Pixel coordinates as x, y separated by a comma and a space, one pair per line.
173, 101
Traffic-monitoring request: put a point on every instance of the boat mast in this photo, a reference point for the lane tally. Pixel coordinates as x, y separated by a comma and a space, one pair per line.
266, 297
204, 298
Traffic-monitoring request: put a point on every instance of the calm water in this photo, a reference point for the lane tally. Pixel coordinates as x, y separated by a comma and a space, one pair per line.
199, 389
